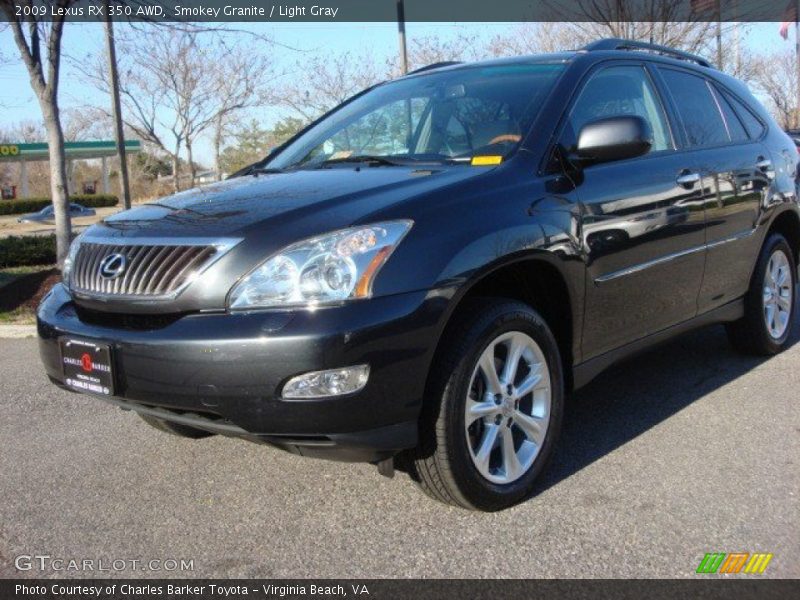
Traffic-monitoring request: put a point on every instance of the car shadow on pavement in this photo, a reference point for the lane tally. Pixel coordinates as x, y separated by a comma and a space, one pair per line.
638, 394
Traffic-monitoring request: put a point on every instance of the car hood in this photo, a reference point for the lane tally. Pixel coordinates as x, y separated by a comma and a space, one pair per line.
254, 217
322, 199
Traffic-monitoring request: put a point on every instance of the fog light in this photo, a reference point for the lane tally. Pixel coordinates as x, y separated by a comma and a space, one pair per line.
323, 384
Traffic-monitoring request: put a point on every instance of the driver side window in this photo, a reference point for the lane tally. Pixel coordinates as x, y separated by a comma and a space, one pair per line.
614, 92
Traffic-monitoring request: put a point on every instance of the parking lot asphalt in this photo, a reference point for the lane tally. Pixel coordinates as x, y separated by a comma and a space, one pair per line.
685, 450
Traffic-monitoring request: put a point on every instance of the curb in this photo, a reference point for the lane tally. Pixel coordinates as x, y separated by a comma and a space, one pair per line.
17, 331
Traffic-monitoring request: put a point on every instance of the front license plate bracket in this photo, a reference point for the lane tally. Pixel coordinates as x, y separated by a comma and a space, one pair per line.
87, 366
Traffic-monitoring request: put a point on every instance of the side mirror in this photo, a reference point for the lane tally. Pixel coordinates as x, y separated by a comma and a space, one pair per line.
615, 138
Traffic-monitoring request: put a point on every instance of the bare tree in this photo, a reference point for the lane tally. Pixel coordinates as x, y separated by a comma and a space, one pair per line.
233, 95
666, 22
737, 58
330, 80
533, 38
190, 85
27, 132
430, 49
165, 85
4, 57
175, 87
80, 124
142, 98
776, 77
43, 66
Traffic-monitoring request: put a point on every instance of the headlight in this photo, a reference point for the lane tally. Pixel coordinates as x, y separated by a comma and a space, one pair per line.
70, 260
323, 270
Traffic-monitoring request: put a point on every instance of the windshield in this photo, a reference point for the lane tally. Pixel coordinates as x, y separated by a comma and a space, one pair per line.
449, 116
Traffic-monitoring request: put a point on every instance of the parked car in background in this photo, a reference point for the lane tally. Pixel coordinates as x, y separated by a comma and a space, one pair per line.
421, 276
46, 214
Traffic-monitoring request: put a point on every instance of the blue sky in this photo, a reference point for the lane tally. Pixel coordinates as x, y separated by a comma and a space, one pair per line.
17, 102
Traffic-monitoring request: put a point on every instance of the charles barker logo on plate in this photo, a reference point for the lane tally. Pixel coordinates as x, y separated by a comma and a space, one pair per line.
85, 362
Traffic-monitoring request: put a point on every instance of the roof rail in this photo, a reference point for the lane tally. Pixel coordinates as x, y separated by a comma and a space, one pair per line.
621, 44
438, 65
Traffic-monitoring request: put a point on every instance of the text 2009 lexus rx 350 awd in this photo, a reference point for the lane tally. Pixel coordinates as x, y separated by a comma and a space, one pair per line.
426, 271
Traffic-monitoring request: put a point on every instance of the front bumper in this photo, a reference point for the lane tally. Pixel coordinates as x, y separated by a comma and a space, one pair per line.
224, 372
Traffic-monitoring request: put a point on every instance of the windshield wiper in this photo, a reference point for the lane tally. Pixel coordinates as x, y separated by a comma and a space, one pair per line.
263, 171
361, 158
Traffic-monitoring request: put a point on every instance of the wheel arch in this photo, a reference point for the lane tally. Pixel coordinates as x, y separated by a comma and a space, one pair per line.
523, 278
787, 223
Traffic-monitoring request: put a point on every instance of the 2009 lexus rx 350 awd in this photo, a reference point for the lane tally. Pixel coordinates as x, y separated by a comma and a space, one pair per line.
429, 268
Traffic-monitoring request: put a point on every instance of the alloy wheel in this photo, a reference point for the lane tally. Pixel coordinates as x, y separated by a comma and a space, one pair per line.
778, 294
507, 411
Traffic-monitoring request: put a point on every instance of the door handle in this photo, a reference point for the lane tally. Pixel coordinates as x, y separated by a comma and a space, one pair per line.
687, 179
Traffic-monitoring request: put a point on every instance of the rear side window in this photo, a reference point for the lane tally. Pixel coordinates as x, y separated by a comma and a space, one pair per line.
701, 118
755, 128
735, 128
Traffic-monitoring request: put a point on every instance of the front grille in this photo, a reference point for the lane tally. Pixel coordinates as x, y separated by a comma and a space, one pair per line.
148, 270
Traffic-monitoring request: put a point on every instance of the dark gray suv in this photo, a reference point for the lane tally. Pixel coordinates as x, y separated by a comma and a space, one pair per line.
422, 275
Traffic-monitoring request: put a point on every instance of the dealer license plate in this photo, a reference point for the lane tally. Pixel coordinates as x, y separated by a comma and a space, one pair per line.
87, 366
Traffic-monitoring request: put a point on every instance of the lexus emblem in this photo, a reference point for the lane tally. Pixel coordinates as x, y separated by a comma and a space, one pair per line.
113, 265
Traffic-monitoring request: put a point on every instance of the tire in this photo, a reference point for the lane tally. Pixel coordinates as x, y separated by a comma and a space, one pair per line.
752, 334
175, 428
449, 463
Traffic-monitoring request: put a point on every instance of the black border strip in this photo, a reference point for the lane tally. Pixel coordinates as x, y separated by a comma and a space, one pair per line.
701, 586
415, 10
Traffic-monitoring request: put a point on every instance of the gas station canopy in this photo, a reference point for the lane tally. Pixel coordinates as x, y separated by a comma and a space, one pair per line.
73, 150
25, 153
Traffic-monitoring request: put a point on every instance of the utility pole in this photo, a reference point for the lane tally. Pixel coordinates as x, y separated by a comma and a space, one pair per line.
116, 111
401, 30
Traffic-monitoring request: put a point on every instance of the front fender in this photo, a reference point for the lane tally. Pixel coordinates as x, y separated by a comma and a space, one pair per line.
546, 235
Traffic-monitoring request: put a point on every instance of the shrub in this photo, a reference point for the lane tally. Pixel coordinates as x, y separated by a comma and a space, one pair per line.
27, 205
15, 207
30, 250
95, 200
